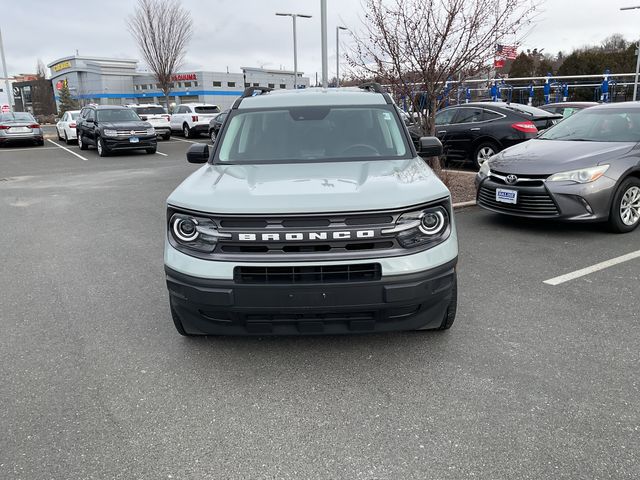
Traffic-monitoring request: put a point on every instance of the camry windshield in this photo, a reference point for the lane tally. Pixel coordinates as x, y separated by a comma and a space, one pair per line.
118, 115
607, 125
302, 134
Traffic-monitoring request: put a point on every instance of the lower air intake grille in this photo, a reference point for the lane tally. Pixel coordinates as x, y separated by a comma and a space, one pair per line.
361, 272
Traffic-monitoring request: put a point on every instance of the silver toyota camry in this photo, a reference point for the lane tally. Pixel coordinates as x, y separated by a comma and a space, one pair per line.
584, 169
19, 127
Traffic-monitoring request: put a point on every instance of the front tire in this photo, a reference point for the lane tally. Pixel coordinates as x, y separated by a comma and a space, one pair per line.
103, 151
166, 136
81, 144
212, 136
151, 151
483, 152
176, 320
624, 216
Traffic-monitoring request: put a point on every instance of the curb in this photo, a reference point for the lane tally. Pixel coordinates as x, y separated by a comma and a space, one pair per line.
461, 205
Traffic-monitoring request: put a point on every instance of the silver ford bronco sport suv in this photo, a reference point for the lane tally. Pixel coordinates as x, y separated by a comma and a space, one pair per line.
313, 214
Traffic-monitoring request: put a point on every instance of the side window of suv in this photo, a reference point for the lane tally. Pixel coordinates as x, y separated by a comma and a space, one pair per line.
91, 114
445, 117
468, 115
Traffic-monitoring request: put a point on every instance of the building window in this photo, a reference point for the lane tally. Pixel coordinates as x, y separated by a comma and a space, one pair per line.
272, 85
230, 84
195, 84
144, 86
217, 84
282, 85
158, 86
247, 84
178, 84
256, 84
187, 84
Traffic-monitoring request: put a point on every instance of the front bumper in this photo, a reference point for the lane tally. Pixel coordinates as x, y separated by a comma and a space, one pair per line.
400, 302
566, 201
123, 143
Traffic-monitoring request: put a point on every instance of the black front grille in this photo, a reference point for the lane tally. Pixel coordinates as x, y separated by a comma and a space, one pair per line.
361, 272
529, 202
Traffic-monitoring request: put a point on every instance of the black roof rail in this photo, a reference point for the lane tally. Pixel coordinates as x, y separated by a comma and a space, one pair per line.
250, 92
377, 88
372, 87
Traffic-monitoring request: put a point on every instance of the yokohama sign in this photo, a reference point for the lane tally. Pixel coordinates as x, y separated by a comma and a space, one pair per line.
183, 76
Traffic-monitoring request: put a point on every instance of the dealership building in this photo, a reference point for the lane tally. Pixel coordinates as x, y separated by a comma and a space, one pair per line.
116, 81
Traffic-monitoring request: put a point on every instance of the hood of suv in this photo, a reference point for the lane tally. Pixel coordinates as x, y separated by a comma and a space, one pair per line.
307, 188
545, 157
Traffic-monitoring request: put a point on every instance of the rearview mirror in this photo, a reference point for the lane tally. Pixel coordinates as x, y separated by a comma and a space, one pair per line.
198, 153
430, 147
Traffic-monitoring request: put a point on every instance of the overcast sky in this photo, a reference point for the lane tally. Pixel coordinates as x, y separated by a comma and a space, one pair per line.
235, 33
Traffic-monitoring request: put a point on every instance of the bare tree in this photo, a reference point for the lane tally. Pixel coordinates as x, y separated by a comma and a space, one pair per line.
162, 29
419, 46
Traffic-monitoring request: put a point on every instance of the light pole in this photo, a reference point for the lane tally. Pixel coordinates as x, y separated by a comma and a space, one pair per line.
338, 28
635, 83
323, 39
6, 75
295, 43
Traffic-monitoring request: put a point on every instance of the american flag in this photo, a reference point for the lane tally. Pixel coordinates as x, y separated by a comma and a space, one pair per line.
507, 51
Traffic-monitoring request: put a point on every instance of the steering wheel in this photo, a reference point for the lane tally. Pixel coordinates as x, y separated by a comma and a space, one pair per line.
362, 147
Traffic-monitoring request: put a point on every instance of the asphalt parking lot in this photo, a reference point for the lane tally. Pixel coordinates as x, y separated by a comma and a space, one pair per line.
533, 381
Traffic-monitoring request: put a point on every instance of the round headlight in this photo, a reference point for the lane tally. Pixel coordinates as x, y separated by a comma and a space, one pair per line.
431, 223
185, 229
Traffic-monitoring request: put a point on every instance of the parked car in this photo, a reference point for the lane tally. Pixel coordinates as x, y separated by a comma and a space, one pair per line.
477, 131
319, 217
157, 116
66, 126
584, 169
20, 127
566, 109
193, 118
216, 124
111, 128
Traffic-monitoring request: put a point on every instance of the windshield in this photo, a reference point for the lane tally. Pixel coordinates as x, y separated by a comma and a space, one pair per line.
118, 115
611, 125
302, 134
212, 109
149, 110
74, 115
16, 117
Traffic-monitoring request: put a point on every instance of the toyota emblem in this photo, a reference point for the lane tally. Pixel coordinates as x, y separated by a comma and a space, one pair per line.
511, 179
132, 132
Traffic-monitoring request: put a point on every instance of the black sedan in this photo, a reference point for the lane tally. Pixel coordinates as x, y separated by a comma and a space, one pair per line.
20, 127
584, 169
477, 131
216, 124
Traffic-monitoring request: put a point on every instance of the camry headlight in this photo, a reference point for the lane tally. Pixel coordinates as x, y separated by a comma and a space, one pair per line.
110, 133
190, 232
584, 175
427, 227
484, 169
151, 131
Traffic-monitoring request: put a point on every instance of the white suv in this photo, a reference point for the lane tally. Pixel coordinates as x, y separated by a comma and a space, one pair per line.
193, 118
312, 213
157, 116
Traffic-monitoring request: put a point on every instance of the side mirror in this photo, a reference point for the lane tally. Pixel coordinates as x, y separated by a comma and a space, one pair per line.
430, 147
198, 153
143, 118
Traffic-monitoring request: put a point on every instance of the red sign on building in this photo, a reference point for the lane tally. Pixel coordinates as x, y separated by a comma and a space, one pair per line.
183, 76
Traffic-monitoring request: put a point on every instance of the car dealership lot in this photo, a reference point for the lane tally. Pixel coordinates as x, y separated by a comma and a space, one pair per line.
533, 380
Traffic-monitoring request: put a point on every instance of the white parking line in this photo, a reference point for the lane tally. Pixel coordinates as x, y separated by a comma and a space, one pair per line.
593, 268
184, 140
163, 154
70, 151
9, 150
